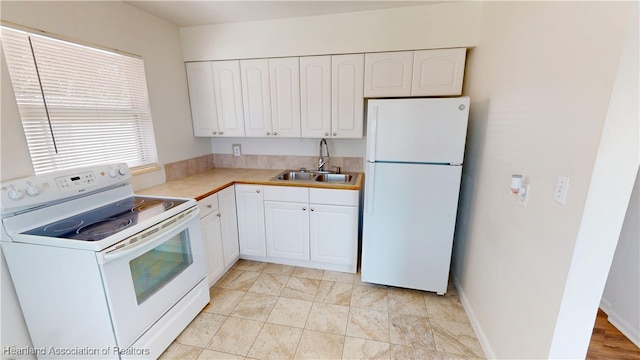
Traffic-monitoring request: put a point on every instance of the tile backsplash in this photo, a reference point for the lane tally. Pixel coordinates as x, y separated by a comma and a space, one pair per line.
192, 166
188, 167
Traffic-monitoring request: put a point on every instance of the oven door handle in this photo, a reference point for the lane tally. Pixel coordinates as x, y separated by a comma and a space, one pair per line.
153, 236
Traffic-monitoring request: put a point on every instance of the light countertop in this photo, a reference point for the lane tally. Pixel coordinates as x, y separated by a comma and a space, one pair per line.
205, 183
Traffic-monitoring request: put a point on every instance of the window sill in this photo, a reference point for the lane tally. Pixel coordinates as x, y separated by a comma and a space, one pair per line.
145, 169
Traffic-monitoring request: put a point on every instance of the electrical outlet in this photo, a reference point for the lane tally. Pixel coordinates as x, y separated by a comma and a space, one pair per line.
236, 150
522, 200
562, 188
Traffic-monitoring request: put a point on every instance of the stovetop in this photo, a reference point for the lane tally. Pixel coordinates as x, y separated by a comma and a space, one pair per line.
107, 220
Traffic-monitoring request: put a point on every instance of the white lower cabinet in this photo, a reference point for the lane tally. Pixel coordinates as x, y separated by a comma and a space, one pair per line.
287, 229
251, 235
286, 213
229, 226
219, 230
309, 227
332, 233
213, 246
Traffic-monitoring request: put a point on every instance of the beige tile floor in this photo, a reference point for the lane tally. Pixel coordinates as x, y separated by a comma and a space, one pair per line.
269, 311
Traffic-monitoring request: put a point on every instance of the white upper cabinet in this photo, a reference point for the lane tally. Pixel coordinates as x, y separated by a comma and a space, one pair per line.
256, 96
347, 105
438, 72
228, 92
312, 96
216, 98
285, 96
388, 74
315, 96
201, 95
414, 73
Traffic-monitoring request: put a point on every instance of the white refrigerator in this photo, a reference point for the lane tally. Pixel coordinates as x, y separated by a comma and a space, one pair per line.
415, 151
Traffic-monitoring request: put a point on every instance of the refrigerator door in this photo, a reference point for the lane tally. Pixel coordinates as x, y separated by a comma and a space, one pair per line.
409, 220
417, 130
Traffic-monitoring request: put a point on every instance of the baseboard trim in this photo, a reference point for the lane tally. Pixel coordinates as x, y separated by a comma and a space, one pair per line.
620, 323
624, 326
477, 328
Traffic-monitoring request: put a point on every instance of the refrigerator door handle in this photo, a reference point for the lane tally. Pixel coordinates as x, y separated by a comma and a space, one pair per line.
372, 129
369, 187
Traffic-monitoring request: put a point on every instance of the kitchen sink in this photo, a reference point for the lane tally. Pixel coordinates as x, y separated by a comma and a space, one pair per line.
295, 175
334, 178
312, 176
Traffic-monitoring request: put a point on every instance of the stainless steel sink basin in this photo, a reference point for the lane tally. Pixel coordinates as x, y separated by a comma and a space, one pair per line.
312, 176
295, 175
336, 178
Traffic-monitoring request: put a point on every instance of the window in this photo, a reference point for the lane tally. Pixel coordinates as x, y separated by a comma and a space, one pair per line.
79, 105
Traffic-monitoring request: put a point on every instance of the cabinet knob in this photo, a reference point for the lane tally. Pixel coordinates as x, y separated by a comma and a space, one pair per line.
219, 215
326, 134
268, 133
312, 209
258, 191
304, 209
335, 133
214, 132
209, 206
275, 133
221, 133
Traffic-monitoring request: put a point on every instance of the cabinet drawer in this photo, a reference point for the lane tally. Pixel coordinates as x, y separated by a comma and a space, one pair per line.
286, 193
334, 197
208, 205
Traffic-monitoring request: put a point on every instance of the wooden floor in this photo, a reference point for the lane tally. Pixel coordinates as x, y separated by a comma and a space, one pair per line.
607, 342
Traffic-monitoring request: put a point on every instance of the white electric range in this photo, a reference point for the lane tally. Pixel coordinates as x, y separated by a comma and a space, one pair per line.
100, 272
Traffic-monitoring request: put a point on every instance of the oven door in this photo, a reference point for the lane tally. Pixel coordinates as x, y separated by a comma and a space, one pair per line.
149, 275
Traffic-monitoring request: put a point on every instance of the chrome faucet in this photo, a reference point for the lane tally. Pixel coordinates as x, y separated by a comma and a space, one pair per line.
322, 161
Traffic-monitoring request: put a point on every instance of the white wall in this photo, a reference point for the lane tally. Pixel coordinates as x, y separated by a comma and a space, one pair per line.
621, 298
420, 27
112, 24
540, 80
610, 189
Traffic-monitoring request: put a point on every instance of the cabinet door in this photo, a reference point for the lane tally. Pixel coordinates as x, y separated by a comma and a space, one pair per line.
438, 72
212, 237
229, 226
249, 201
287, 229
284, 77
256, 97
347, 96
334, 234
228, 97
388, 74
202, 97
315, 96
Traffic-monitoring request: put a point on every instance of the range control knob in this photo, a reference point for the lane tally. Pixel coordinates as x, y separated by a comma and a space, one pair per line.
15, 194
122, 171
32, 190
112, 172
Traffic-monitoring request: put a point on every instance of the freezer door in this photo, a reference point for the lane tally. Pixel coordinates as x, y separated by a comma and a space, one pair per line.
409, 220
417, 130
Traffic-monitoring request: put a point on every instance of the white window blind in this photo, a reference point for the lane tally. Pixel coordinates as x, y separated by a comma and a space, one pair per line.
79, 105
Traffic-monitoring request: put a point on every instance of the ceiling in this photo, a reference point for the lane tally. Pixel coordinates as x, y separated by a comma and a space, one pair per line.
192, 13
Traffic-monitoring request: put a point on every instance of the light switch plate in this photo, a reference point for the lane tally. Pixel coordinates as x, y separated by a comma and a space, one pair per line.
561, 190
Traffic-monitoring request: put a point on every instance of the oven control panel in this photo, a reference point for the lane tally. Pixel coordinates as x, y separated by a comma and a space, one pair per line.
69, 183
39, 190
